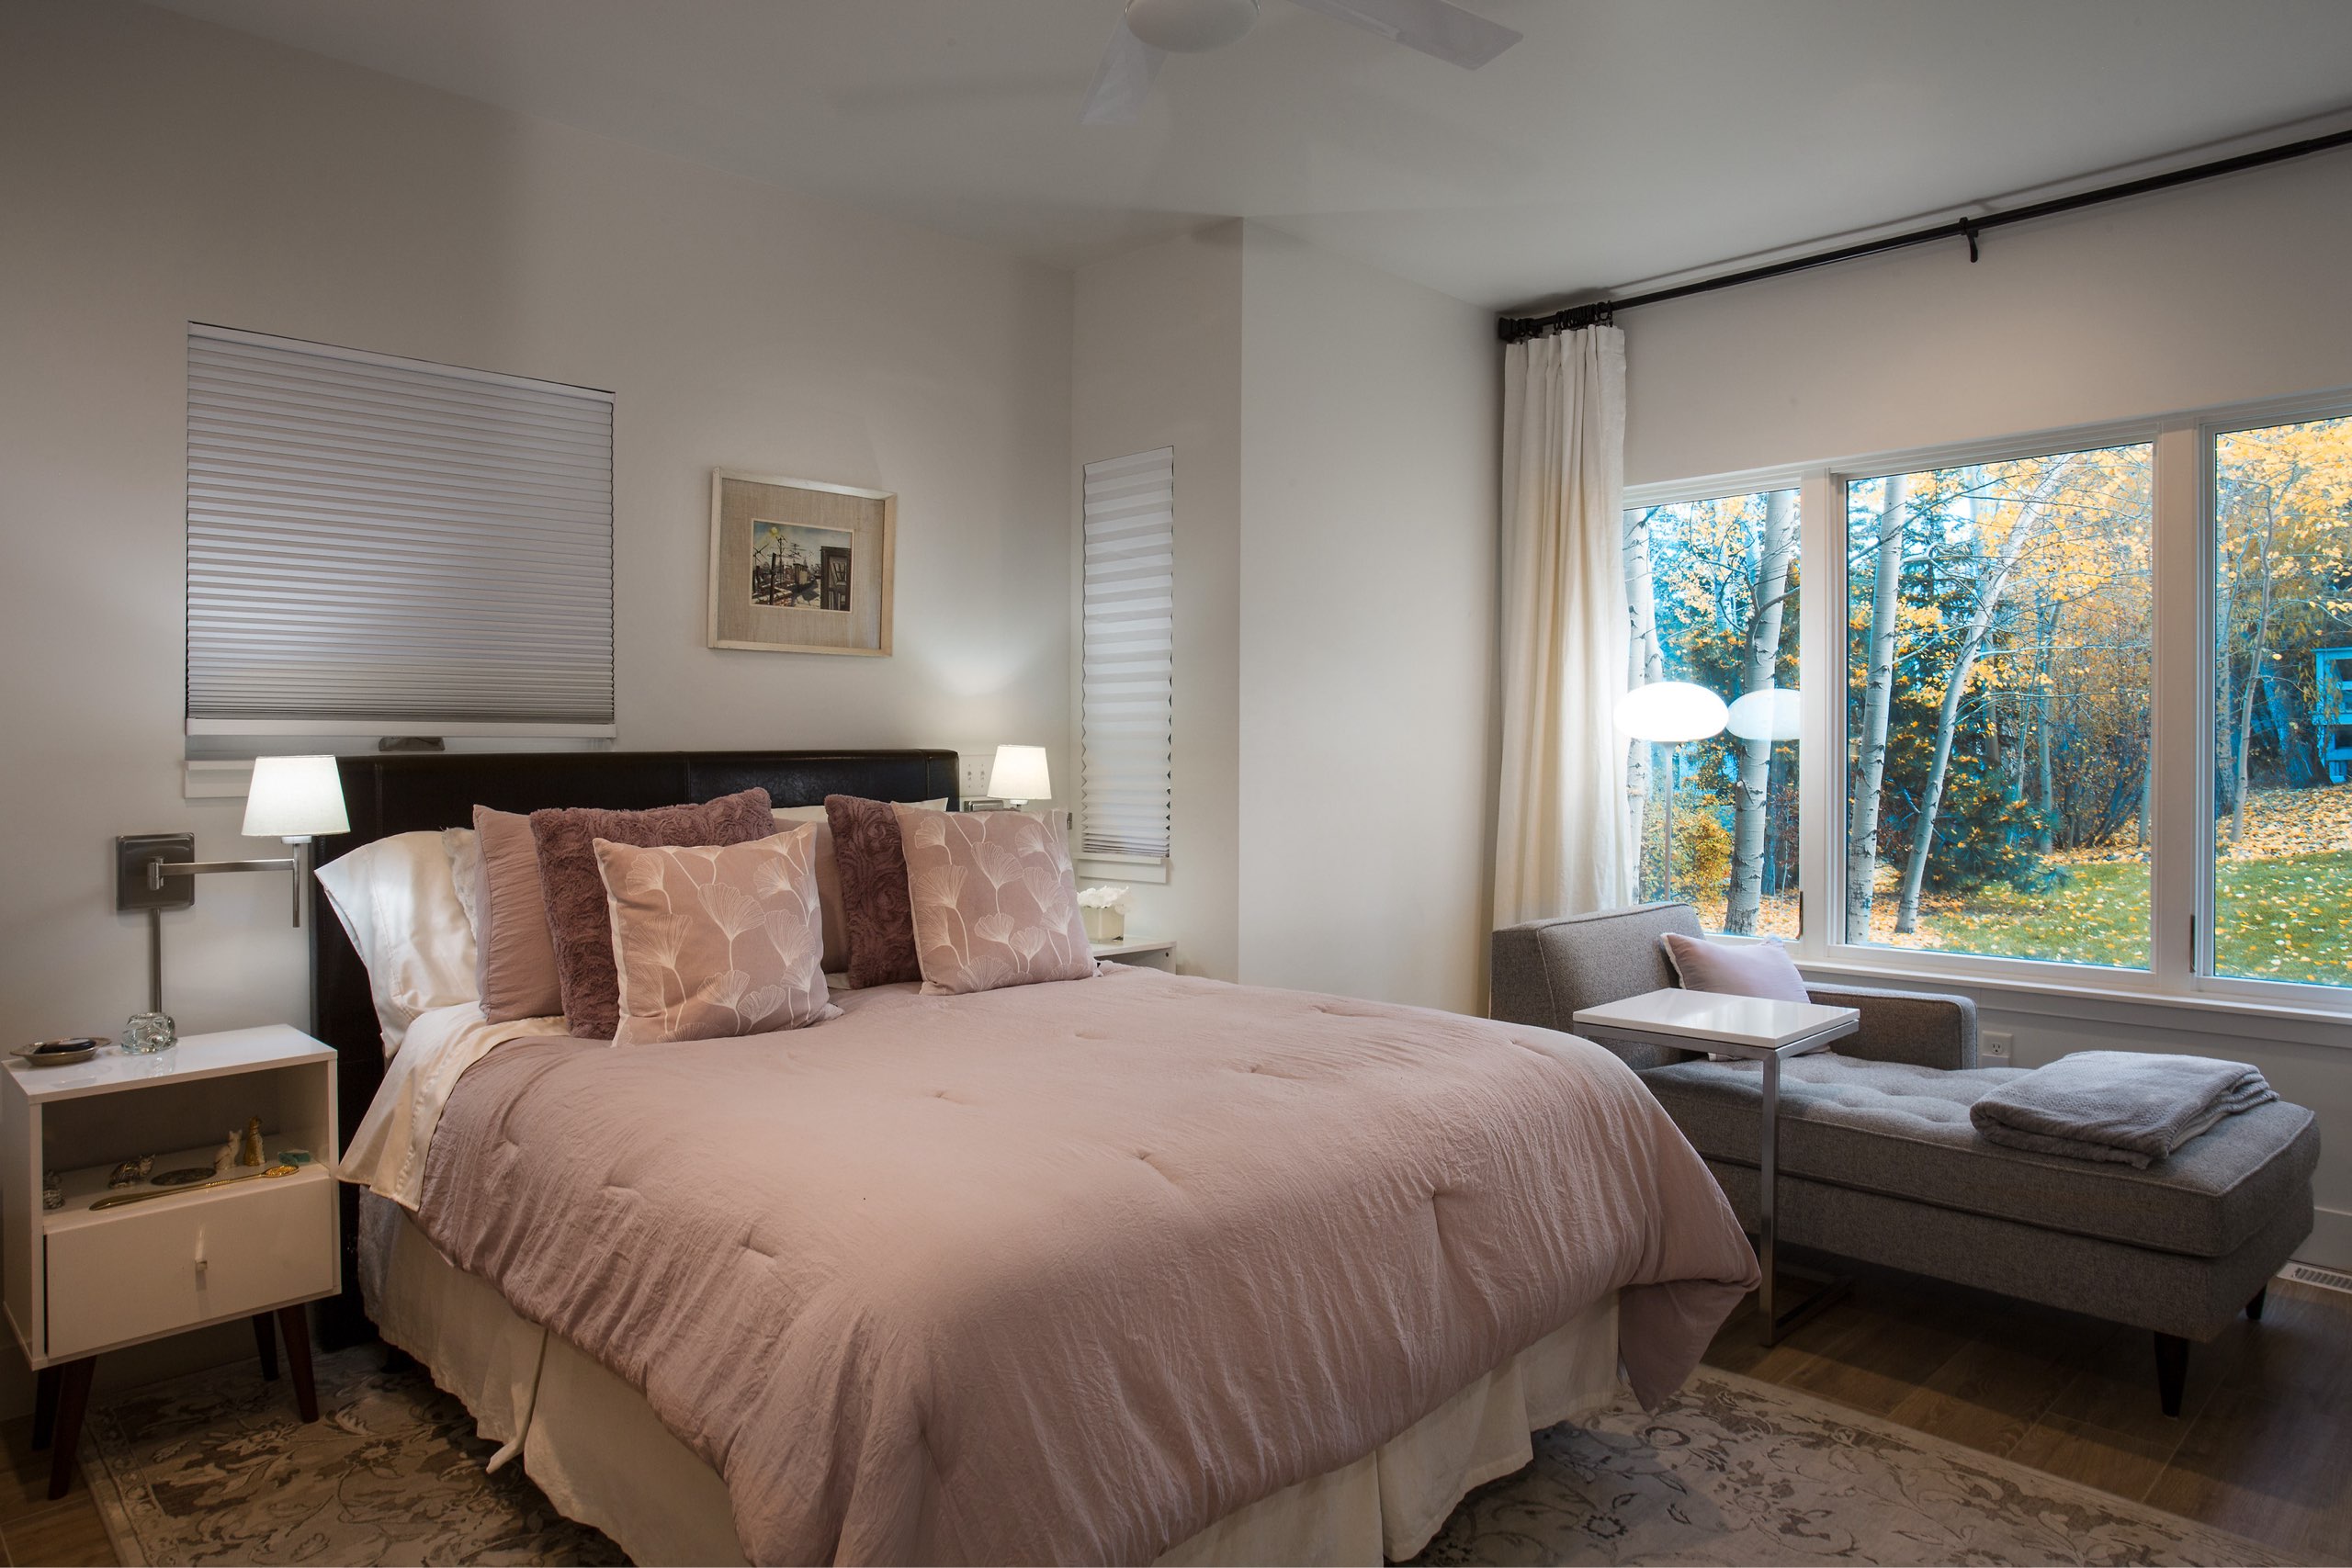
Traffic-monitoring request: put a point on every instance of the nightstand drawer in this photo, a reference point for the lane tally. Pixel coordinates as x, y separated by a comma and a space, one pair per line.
147, 1269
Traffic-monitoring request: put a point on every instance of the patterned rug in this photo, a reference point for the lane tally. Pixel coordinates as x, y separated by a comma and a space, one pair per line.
1737, 1471
214, 1468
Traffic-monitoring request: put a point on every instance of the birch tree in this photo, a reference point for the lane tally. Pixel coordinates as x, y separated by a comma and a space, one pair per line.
2033, 516
1886, 607
1752, 790
2261, 546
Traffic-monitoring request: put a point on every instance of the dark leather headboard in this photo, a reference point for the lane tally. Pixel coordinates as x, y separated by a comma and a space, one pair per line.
399, 794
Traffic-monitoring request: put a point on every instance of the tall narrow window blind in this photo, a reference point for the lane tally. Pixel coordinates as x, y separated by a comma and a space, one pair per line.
381, 546
1127, 657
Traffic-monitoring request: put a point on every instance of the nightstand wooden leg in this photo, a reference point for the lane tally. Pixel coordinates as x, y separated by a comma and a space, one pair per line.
266, 1341
44, 1407
72, 1401
296, 1326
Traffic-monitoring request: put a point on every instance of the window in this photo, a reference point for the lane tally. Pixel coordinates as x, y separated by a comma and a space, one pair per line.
2282, 701
384, 547
1712, 585
1997, 685
1126, 659
2088, 698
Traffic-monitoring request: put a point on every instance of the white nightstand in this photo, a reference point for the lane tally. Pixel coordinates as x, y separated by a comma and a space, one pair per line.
80, 1281
1144, 952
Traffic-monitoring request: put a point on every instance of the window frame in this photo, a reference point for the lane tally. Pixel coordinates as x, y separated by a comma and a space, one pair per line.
2183, 557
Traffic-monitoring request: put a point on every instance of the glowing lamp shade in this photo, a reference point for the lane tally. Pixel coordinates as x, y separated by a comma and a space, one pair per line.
1020, 775
1670, 711
1770, 715
295, 798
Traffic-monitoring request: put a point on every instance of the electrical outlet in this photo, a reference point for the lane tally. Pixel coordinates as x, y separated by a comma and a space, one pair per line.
1993, 1045
974, 773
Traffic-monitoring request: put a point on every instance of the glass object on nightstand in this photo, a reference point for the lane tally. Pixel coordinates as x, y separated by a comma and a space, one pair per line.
149, 1034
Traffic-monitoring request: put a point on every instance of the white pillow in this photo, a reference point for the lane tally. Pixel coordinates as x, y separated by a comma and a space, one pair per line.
398, 902
464, 846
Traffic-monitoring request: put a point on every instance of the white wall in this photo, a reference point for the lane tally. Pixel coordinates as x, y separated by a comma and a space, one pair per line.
2214, 293
1335, 432
1371, 409
2224, 292
1157, 362
155, 170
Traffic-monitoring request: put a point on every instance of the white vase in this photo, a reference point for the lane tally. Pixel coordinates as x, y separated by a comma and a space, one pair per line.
1104, 925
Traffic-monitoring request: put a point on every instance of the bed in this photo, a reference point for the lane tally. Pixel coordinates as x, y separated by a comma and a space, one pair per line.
1140, 1267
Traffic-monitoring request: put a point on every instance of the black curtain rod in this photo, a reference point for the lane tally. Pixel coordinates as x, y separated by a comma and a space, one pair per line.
1519, 328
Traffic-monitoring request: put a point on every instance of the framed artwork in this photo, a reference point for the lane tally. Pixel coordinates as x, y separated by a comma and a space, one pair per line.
799, 567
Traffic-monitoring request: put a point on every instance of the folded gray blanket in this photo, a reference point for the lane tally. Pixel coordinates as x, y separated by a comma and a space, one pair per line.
2129, 1107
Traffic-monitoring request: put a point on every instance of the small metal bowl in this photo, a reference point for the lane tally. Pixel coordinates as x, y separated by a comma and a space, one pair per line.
60, 1053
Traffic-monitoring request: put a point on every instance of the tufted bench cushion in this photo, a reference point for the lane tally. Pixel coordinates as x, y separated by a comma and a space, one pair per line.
1892, 1128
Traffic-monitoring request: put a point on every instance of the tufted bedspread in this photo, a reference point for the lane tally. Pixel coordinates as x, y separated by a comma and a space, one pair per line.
1068, 1272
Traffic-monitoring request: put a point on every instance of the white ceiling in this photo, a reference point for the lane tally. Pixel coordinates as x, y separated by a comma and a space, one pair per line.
1623, 140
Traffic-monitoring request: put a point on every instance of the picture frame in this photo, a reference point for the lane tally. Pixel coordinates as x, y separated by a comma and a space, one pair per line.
800, 566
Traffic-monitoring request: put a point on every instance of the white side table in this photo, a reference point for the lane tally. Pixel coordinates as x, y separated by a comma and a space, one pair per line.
1759, 1030
1147, 952
79, 1280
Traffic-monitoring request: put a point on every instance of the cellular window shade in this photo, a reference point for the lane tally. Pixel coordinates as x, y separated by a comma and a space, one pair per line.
1127, 658
381, 546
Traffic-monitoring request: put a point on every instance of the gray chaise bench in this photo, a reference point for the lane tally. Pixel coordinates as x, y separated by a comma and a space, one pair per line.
1879, 1161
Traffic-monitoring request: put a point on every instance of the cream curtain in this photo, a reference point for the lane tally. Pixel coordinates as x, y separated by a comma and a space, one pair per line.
1564, 841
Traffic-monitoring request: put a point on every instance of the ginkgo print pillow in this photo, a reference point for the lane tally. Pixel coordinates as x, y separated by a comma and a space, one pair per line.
715, 940
995, 901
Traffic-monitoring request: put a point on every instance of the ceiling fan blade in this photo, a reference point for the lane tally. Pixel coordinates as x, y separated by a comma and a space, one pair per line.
1124, 81
1434, 27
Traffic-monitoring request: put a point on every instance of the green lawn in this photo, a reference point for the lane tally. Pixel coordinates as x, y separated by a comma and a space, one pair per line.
2278, 919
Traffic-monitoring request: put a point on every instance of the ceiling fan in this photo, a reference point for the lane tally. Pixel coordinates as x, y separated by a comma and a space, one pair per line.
1149, 31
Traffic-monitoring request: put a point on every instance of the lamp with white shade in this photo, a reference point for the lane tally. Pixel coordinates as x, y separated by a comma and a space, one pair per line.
292, 798
1669, 713
1020, 776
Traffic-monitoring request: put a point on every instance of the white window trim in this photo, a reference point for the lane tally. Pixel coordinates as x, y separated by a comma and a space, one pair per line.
2180, 857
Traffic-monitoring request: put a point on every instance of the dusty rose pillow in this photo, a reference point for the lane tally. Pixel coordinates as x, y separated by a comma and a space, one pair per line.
874, 891
995, 901
711, 941
578, 919
1763, 969
514, 956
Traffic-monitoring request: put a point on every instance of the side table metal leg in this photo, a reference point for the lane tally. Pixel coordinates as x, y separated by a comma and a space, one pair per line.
1768, 1144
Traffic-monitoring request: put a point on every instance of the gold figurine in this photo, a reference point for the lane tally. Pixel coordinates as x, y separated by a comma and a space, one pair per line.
249, 1151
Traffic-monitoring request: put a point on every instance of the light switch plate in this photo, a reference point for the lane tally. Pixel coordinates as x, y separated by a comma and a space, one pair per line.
973, 772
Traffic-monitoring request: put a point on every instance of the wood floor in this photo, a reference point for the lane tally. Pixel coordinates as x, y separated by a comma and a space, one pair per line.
2262, 1447
33, 1529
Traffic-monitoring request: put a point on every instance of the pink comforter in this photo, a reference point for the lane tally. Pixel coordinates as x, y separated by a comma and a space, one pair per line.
1069, 1272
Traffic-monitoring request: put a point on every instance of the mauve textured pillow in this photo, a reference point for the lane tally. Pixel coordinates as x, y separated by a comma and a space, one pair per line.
874, 891
577, 918
716, 940
1759, 969
994, 900
515, 957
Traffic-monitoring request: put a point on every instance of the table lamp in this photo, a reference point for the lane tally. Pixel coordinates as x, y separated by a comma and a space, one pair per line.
1019, 775
292, 798
1668, 713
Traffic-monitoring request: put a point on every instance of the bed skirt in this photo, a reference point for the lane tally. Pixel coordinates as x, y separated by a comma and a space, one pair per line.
602, 1456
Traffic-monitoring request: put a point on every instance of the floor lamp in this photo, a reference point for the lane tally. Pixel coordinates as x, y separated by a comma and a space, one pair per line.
1668, 713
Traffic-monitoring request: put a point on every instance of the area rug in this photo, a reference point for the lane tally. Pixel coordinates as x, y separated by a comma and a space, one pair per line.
1737, 1471
214, 1468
